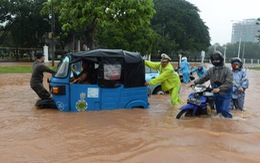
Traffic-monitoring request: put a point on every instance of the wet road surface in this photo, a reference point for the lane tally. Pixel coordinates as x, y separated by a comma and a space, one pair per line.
30, 134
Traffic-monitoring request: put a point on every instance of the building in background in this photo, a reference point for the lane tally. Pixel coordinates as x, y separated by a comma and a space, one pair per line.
245, 31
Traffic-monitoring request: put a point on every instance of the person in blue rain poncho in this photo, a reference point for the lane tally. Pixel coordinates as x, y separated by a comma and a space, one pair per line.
185, 69
221, 80
240, 84
168, 78
200, 70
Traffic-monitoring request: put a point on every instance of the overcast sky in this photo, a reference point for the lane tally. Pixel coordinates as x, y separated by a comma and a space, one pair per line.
219, 15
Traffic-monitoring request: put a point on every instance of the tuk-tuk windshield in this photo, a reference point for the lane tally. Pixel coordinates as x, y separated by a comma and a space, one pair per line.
62, 71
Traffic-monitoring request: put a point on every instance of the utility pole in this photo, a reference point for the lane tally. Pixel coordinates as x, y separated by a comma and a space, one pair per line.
243, 54
52, 35
238, 53
225, 50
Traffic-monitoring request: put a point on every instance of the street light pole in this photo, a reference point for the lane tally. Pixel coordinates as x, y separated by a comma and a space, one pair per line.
243, 54
215, 46
225, 49
238, 53
52, 34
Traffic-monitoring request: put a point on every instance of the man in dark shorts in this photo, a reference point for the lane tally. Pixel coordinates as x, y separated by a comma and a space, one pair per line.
36, 81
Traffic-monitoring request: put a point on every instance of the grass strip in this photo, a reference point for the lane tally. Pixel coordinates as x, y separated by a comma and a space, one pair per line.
18, 69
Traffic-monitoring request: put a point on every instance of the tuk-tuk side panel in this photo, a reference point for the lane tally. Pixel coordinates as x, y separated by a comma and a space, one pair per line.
62, 101
84, 97
120, 97
134, 97
110, 98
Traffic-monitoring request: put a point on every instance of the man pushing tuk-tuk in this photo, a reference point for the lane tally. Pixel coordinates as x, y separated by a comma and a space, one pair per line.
168, 78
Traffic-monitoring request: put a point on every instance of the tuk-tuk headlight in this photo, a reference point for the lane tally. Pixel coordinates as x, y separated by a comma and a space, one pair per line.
58, 90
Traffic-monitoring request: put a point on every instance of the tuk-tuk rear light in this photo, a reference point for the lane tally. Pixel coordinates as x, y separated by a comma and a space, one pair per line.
58, 90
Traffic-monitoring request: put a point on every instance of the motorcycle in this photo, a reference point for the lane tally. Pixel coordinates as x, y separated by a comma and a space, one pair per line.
199, 102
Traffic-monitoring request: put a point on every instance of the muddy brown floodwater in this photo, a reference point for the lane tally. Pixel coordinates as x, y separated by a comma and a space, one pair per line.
30, 134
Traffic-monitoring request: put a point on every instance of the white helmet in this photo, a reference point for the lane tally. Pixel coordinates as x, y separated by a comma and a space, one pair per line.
184, 58
165, 57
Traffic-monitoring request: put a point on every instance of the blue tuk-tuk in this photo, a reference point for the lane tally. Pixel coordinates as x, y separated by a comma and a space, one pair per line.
118, 81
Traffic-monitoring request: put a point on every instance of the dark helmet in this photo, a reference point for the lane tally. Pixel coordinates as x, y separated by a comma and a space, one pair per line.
217, 55
39, 54
237, 61
200, 68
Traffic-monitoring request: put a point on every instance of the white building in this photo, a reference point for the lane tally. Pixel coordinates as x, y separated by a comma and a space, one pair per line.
245, 30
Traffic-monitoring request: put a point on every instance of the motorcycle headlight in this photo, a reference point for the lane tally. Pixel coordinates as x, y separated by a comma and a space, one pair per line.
196, 95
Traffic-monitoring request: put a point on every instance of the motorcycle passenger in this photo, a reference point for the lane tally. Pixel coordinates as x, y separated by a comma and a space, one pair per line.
168, 78
200, 70
221, 79
36, 81
185, 69
240, 84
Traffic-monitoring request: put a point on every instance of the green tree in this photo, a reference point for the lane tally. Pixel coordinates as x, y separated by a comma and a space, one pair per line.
29, 25
5, 8
180, 26
24, 22
86, 18
140, 39
5, 19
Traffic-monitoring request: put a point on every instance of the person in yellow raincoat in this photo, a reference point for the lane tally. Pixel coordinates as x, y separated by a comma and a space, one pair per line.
168, 78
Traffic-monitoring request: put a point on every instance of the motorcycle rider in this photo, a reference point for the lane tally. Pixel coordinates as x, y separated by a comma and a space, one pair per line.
240, 84
200, 70
221, 80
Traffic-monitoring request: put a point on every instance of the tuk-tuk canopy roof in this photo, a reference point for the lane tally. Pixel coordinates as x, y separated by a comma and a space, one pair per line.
133, 68
129, 57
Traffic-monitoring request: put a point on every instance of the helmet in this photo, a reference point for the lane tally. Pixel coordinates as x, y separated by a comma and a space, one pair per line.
39, 54
217, 55
165, 57
236, 63
184, 58
200, 68
236, 59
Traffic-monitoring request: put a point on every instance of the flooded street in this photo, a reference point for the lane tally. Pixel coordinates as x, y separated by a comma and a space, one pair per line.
30, 134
